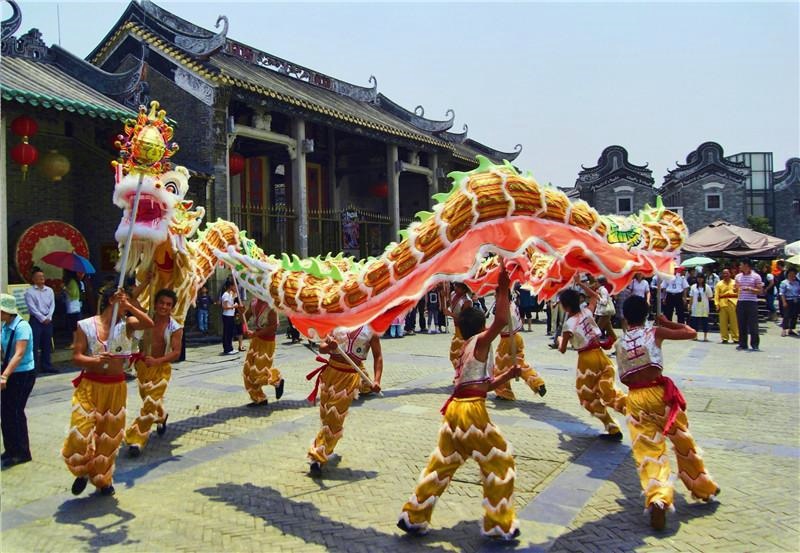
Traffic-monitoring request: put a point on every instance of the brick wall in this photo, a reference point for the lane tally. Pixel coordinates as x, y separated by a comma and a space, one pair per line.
605, 197
787, 220
693, 200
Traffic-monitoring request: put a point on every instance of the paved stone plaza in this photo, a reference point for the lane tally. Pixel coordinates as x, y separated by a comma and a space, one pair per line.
230, 478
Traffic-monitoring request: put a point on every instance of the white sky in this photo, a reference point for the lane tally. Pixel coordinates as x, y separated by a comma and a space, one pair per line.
564, 79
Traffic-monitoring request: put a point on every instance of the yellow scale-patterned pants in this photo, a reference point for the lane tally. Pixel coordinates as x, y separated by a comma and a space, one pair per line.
467, 432
97, 426
152, 387
595, 386
456, 345
258, 370
646, 417
503, 361
338, 388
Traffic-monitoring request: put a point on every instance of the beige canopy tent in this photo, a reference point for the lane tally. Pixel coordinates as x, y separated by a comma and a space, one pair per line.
721, 238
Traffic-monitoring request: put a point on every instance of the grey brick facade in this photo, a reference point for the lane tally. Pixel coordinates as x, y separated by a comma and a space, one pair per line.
615, 185
787, 201
707, 188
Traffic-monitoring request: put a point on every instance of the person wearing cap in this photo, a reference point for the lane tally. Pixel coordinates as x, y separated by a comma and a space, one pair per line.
16, 381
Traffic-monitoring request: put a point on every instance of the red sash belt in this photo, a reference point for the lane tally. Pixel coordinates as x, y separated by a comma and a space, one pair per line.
672, 397
597, 344
312, 397
101, 378
461, 394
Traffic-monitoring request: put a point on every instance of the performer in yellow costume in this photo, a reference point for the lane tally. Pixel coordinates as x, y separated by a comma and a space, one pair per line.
98, 404
504, 359
467, 432
459, 299
725, 298
153, 372
595, 377
258, 370
656, 411
338, 384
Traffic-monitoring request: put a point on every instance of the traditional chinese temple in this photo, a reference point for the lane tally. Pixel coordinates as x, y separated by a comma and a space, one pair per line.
303, 161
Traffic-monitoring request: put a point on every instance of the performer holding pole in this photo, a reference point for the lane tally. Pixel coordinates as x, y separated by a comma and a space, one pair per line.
338, 382
467, 432
458, 300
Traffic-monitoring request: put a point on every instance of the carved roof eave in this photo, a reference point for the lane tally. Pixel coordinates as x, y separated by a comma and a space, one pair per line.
616, 176
197, 42
110, 84
789, 176
12, 24
492, 153
689, 176
416, 117
453, 137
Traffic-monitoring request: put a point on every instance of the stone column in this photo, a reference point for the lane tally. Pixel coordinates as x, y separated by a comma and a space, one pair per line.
333, 181
299, 189
393, 181
433, 182
3, 208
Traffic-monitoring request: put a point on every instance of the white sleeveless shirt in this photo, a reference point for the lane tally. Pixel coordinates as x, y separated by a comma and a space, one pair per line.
584, 330
355, 343
118, 344
638, 350
471, 371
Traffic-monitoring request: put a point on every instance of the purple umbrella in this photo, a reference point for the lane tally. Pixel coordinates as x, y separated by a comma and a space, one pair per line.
70, 261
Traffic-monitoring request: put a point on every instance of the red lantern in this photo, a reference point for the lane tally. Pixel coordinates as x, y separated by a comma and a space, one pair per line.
380, 190
24, 154
24, 126
235, 163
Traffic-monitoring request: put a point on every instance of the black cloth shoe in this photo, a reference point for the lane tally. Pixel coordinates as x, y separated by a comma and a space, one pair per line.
410, 530
161, 428
542, 390
254, 404
279, 389
658, 517
134, 451
79, 485
108, 491
14, 461
315, 469
615, 437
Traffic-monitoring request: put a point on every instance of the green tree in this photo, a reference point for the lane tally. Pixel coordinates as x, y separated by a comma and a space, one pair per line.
759, 224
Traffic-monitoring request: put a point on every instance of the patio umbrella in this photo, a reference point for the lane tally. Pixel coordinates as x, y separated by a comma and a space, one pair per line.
70, 261
697, 261
792, 249
794, 260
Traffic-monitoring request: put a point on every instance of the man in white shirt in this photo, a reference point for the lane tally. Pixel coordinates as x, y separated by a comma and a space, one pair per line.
676, 294
41, 303
228, 318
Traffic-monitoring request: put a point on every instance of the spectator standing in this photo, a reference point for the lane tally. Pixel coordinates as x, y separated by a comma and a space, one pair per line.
725, 299
713, 278
16, 382
433, 310
770, 291
676, 296
228, 317
73, 290
203, 304
640, 287
748, 286
790, 301
699, 295
41, 302
526, 306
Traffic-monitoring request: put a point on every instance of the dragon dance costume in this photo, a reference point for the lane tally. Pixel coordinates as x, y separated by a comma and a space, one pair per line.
504, 359
656, 411
153, 383
467, 432
595, 376
97, 422
337, 385
258, 370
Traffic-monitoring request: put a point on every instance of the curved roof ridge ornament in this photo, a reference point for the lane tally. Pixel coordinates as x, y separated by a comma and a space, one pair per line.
706, 154
496, 154
12, 24
203, 47
173, 22
356, 92
110, 84
416, 117
453, 137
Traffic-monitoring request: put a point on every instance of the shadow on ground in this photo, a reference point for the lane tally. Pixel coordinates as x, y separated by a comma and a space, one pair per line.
103, 533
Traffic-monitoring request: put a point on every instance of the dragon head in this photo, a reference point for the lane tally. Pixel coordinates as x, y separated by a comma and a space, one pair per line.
163, 216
